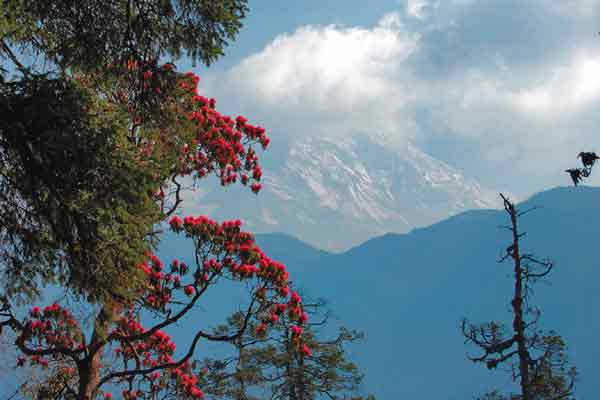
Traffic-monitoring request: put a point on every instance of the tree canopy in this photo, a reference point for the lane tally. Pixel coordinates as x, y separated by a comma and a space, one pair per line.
83, 97
98, 128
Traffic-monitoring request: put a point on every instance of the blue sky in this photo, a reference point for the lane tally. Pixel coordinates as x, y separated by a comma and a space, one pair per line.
506, 90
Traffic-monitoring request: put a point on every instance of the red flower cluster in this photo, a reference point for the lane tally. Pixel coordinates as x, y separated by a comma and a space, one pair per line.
243, 259
221, 144
241, 256
53, 327
159, 99
157, 292
179, 131
154, 350
188, 382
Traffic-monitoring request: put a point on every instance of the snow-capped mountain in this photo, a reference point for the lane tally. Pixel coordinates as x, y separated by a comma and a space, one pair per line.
336, 193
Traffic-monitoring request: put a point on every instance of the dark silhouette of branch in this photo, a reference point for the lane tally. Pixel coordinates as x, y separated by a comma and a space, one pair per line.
529, 352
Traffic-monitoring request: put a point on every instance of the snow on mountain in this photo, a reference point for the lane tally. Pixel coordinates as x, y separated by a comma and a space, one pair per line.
336, 193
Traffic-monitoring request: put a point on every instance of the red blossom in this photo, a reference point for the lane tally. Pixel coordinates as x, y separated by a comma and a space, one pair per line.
306, 351
297, 330
256, 187
176, 223
189, 290
218, 145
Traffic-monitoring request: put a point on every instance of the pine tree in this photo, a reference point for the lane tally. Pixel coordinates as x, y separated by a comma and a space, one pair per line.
268, 363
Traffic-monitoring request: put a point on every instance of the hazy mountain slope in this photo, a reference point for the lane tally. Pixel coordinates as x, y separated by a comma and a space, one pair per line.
409, 292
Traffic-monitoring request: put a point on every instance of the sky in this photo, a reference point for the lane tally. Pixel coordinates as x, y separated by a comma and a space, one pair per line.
507, 90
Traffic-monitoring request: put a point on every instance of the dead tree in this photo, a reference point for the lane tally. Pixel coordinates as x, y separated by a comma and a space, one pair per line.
537, 360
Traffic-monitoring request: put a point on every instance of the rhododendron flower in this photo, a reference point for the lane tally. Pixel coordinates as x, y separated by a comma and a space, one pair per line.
304, 317
183, 268
176, 223
297, 330
256, 187
197, 393
307, 351
281, 308
296, 298
189, 290
261, 330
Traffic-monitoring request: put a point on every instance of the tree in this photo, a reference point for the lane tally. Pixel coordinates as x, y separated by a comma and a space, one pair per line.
269, 364
122, 351
538, 360
96, 133
87, 225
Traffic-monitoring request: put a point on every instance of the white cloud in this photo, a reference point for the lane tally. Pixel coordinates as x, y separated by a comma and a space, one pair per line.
514, 90
331, 80
329, 68
569, 89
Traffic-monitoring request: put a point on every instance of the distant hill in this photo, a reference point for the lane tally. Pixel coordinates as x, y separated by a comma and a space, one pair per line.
408, 292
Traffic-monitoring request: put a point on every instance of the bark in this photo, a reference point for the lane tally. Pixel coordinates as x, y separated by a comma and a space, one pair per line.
288, 367
89, 377
301, 377
90, 367
517, 305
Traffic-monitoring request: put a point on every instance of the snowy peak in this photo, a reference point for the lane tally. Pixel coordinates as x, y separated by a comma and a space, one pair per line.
364, 180
335, 193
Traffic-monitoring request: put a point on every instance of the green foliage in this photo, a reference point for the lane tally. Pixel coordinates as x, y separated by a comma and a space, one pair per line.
73, 209
77, 204
553, 377
97, 33
272, 366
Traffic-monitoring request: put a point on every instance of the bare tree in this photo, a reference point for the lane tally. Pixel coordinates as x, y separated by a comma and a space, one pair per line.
537, 359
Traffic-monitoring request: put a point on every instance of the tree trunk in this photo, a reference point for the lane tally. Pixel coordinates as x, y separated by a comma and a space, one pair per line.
517, 305
89, 368
301, 377
89, 376
288, 367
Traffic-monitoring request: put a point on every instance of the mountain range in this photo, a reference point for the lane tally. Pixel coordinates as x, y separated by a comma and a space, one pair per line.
334, 193
408, 293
